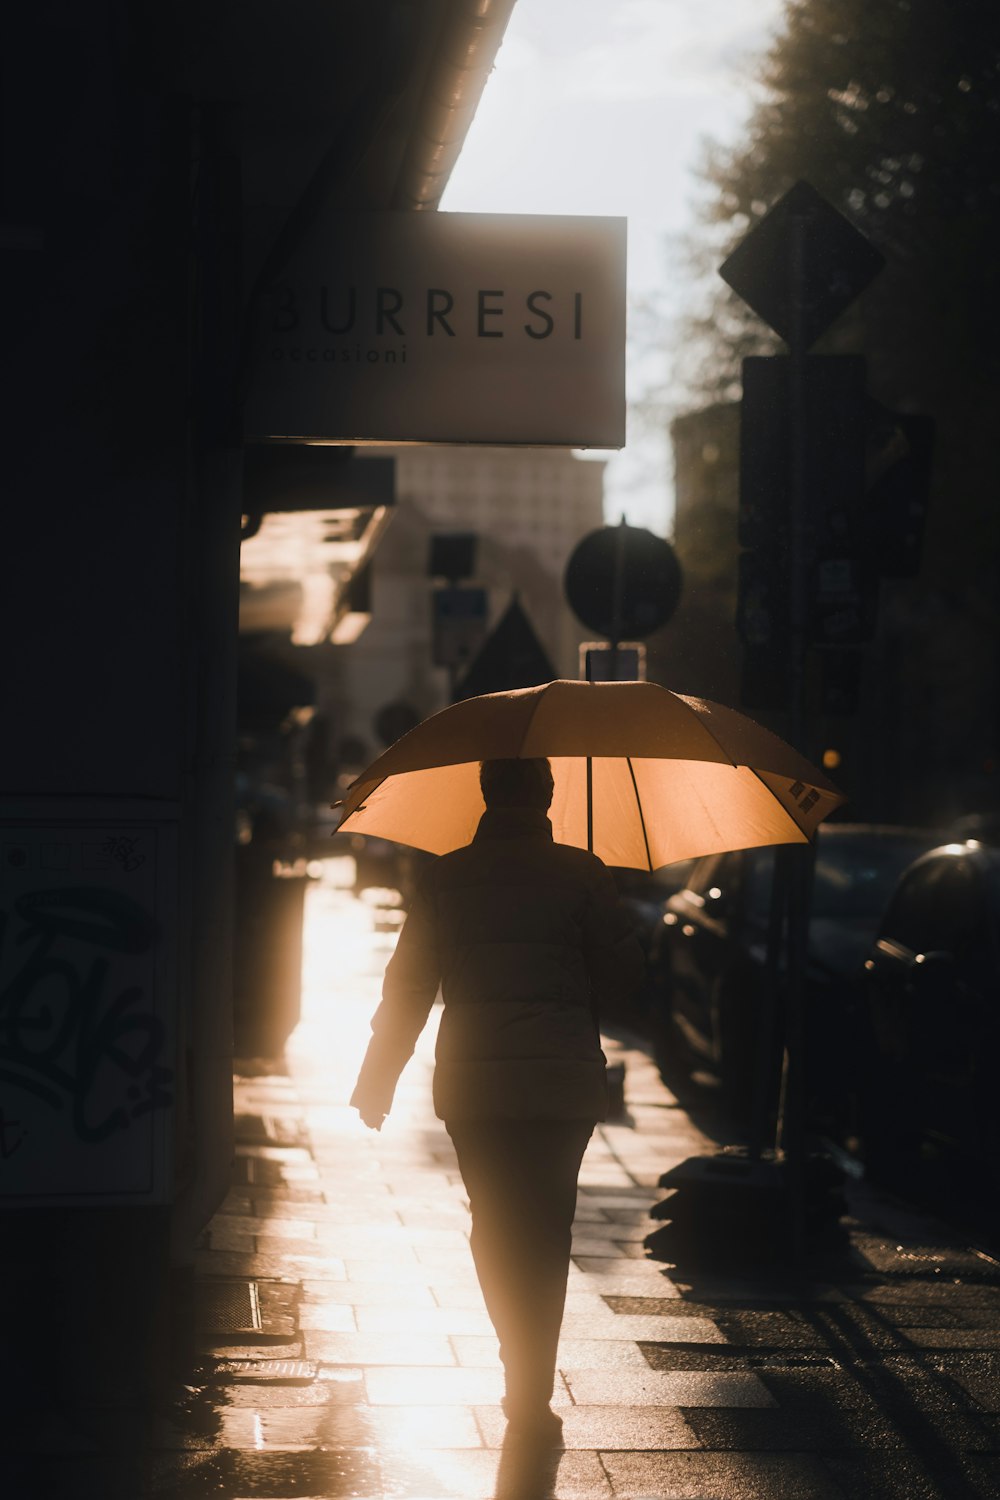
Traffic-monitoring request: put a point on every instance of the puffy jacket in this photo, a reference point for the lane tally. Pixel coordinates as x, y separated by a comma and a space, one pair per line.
526, 938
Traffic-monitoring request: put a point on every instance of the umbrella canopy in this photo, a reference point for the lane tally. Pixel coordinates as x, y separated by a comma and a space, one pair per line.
670, 777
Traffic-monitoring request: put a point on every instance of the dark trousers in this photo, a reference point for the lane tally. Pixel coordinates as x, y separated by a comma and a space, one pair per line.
521, 1179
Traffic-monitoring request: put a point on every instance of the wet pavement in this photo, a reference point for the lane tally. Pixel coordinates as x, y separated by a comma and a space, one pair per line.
345, 1349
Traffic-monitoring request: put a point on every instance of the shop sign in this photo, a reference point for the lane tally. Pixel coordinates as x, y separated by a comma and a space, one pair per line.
445, 328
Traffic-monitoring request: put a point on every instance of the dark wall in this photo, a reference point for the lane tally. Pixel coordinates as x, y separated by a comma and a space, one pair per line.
95, 184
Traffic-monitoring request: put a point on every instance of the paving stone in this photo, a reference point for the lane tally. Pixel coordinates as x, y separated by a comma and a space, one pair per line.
328, 1317
411, 1273
954, 1294
653, 1388
346, 1391
586, 1214
661, 1303
291, 1350
238, 1472
396, 1240
437, 1386
167, 1437
378, 1348
723, 1356
615, 1231
620, 1277
718, 1476
237, 1201
430, 1218
953, 1338
587, 1245
298, 1251
507, 1474
344, 1426
638, 1198
266, 1200
573, 1353
604, 1324
456, 1260
227, 1233
603, 1428
438, 1320
984, 1389
285, 1227
367, 1294
900, 1476
297, 1267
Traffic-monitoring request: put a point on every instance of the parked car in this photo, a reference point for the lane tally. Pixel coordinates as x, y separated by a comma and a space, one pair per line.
644, 895
931, 993
712, 957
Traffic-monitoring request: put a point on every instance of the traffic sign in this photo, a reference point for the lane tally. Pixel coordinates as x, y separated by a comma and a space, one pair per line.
459, 625
623, 582
511, 657
837, 263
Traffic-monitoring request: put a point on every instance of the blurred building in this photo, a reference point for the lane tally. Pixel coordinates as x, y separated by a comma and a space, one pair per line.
699, 652
915, 745
526, 507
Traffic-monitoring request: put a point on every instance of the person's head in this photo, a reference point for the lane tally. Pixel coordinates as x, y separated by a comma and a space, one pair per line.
516, 783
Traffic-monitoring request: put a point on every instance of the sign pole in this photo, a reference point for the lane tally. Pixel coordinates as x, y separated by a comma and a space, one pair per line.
798, 269
792, 1115
617, 597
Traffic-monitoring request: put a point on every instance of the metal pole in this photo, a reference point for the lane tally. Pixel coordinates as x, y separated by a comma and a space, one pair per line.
798, 481
763, 1078
616, 597
793, 1093
590, 778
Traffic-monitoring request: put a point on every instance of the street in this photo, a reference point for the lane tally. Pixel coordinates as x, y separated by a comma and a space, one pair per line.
374, 1370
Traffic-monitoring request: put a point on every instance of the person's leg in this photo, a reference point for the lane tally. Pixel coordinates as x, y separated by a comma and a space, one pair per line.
521, 1177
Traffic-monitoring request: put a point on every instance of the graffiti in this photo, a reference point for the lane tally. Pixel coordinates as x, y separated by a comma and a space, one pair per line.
123, 851
68, 1035
11, 1136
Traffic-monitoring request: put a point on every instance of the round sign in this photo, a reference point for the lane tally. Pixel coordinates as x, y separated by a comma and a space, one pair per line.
623, 582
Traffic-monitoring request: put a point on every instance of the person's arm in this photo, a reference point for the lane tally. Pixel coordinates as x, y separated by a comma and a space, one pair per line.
411, 981
614, 953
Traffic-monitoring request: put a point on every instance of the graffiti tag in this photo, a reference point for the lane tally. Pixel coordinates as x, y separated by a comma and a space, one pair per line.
70, 1034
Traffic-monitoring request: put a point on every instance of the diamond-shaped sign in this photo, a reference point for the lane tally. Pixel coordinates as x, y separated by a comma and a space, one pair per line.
838, 262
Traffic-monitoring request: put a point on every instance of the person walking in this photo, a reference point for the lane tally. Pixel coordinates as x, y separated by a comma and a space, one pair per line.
527, 939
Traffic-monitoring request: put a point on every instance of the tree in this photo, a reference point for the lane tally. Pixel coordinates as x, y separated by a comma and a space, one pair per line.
891, 110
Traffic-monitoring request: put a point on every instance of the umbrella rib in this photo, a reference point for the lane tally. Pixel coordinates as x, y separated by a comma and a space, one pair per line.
361, 805
706, 728
638, 803
536, 705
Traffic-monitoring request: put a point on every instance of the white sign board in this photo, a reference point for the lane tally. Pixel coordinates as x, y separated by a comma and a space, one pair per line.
445, 328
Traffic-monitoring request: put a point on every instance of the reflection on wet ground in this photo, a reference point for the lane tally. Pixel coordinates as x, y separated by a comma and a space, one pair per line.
344, 1349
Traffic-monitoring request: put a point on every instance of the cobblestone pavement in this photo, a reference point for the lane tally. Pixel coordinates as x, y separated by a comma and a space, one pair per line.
374, 1372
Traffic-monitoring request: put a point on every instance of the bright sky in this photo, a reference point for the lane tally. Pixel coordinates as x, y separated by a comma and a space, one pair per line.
602, 107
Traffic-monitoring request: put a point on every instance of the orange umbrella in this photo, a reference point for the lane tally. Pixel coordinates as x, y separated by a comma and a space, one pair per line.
642, 776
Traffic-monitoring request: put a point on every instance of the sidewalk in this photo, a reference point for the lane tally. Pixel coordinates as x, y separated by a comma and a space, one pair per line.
352, 1354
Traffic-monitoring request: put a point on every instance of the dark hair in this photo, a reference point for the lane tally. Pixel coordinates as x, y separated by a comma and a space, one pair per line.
516, 783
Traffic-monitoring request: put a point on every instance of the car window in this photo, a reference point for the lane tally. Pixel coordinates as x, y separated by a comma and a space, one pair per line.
758, 877
855, 876
939, 906
709, 872
674, 877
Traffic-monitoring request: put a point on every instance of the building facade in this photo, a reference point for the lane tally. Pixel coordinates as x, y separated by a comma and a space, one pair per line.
527, 508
